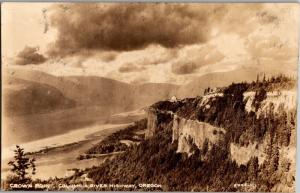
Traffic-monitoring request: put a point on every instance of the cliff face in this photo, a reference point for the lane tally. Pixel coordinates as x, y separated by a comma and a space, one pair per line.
157, 120
152, 125
187, 133
241, 134
192, 132
251, 123
275, 101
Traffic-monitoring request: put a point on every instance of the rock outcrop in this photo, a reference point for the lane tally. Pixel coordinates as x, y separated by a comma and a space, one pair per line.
156, 120
188, 132
241, 138
193, 132
275, 101
185, 132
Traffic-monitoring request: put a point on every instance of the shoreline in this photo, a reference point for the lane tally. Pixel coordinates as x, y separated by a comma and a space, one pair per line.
55, 161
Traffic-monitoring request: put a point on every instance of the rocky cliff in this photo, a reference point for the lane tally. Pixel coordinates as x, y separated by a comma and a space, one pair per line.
236, 138
194, 134
185, 132
251, 122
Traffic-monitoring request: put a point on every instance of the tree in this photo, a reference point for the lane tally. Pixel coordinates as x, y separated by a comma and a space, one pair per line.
205, 146
253, 168
21, 164
274, 161
259, 96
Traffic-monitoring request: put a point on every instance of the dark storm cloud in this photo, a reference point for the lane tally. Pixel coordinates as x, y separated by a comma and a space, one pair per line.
129, 67
85, 28
132, 26
30, 55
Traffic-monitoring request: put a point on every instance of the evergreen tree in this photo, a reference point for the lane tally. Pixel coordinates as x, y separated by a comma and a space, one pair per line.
205, 146
274, 159
253, 168
21, 164
208, 89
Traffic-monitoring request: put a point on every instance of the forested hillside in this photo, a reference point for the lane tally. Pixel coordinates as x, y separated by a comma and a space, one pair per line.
235, 138
213, 167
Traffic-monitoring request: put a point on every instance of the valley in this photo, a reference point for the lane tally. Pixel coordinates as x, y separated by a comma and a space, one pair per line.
244, 127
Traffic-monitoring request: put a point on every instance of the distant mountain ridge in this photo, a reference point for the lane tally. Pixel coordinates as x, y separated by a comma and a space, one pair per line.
114, 95
118, 96
25, 97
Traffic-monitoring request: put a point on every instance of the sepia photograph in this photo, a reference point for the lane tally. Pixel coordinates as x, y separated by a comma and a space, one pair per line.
190, 97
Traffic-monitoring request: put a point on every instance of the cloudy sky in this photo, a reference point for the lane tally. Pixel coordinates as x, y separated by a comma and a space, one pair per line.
149, 42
